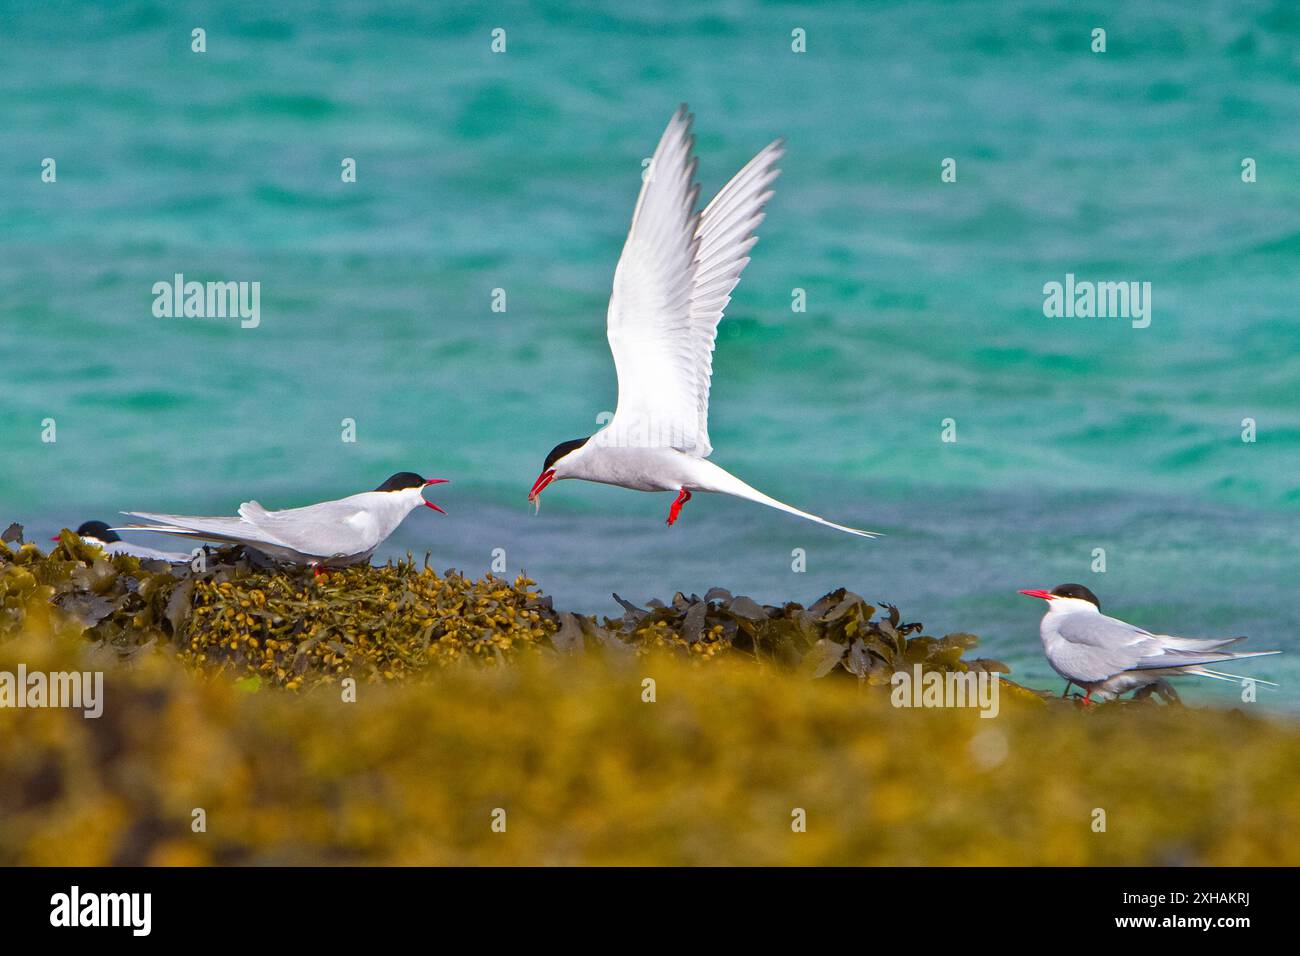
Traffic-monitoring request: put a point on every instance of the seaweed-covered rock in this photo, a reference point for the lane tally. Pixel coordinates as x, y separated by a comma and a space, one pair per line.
384, 622
290, 628
839, 633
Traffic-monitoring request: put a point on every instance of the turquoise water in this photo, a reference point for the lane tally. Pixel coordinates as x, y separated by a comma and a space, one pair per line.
519, 170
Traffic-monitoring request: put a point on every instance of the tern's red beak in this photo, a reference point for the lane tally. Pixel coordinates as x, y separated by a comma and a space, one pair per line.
1045, 595
435, 481
544, 479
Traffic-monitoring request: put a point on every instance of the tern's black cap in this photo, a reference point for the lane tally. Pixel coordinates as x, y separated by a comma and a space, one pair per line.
562, 449
97, 529
1076, 591
401, 481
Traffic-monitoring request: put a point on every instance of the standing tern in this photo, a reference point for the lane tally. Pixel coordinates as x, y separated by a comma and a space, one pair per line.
328, 534
1108, 657
111, 543
673, 281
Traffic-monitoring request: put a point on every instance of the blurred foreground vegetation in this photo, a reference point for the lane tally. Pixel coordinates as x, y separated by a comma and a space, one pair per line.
477, 696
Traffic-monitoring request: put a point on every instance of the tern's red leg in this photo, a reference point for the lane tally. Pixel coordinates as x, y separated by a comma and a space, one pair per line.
1087, 698
682, 497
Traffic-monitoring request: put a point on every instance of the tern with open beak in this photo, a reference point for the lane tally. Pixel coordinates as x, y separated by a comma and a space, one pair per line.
1108, 657
673, 281
328, 534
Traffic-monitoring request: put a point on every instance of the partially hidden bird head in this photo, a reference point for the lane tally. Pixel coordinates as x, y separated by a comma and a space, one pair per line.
409, 483
1067, 596
558, 466
97, 530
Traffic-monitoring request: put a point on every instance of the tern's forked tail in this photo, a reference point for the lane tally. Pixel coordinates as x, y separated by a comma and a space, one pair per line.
729, 484
1202, 671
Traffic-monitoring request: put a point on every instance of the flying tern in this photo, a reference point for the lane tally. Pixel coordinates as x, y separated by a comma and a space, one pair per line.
1108, 657
100, 534
328, 534
673, 281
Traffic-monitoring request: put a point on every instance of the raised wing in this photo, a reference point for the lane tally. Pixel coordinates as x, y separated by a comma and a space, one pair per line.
672, 283
1096, 647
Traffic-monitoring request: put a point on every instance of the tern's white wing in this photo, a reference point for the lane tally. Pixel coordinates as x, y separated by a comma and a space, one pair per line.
144, 553
672, 283
1096, 647
207, 528
312, 534
343, 527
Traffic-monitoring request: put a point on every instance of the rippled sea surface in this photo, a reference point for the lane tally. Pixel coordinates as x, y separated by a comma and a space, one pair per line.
518, 171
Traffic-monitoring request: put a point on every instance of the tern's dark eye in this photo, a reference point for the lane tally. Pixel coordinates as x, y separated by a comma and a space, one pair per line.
401, 481
562, 449
1076, 591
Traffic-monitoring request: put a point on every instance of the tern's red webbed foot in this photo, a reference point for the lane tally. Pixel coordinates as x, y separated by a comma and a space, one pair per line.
682, 497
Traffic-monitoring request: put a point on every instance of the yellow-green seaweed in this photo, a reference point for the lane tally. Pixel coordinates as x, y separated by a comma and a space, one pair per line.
589, 766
